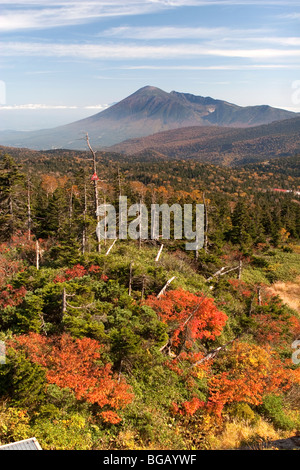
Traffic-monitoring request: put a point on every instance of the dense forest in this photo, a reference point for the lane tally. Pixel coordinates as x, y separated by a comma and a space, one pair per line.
141, 344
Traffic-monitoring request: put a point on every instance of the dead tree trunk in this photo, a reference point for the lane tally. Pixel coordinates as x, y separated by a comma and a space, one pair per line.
95, 180
259, 295
213, 353
29, 220
108, 251
240, 269
206, 225
130, 278
64, 302
84, 221
159, 253
37, 255
143, 286
221, 272
140, 226
165, 287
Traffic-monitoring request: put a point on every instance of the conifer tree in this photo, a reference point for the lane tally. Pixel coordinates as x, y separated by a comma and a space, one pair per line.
13, 211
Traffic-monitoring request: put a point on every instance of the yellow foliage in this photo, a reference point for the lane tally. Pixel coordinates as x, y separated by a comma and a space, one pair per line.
238, 433
14, 425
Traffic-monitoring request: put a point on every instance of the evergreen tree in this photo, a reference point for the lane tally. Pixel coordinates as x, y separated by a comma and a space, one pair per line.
242, 231
13, 211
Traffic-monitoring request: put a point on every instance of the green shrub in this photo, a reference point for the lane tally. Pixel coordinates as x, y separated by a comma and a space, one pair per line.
272, 408
242, 412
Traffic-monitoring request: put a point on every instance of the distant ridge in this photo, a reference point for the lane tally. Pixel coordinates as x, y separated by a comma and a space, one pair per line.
219, 145
147, 111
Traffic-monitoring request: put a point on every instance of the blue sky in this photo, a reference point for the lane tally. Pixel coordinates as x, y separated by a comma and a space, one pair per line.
65, 60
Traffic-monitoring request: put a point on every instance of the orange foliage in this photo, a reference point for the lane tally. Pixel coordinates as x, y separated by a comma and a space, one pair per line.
49, 183
11, 297
250, 373
79, 271
188, 407
194, 315
75, 363
276, 331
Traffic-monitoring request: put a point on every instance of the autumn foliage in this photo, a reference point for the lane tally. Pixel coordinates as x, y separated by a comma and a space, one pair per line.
246, 374
189, 316
79, 271
76, 364
10, 296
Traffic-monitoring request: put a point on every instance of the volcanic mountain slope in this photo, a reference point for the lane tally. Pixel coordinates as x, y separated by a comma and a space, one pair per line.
145, 112
219, 145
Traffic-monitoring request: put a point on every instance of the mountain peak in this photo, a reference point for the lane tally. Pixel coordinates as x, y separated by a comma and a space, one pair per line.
149, 88
147, 111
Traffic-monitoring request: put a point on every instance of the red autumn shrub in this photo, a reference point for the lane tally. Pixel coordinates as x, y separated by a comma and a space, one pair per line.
76, 363
189, 316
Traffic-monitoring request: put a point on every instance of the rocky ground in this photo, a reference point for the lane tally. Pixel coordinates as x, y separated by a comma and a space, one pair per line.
291, 443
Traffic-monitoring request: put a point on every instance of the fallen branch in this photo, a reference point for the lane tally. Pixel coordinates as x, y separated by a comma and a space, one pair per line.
221, 272
165, 287
83, 306
213, 353
130, 277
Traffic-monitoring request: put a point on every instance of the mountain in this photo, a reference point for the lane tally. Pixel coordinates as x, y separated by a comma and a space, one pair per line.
219, 145
145, 112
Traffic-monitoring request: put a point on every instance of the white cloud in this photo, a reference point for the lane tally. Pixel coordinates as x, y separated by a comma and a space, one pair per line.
39, 107
211, 67
219, 35
283, 41
35, 106
291, 16
97, 106
133, 51
163, 32
174, 32
38, 14
41, 15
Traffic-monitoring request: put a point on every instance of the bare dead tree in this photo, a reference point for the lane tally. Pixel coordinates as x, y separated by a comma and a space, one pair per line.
259, 295
140, 224
159, 253
66, 304
95, 181
29, 219
240, 269
130, 277
143, 286
64, 301
206, 224
163, 290
43, 324
84, 231
37, 255
109, 249
213, 353
221, 272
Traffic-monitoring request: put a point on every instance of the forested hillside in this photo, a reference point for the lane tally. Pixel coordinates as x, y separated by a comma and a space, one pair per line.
219, 145
140, 344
